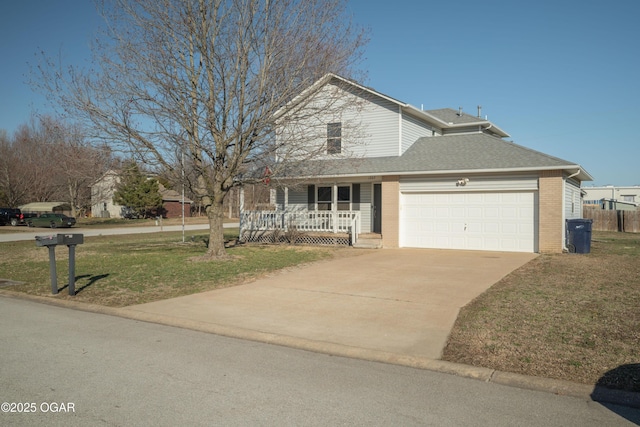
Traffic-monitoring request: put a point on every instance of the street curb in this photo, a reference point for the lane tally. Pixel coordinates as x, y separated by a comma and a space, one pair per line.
548, 385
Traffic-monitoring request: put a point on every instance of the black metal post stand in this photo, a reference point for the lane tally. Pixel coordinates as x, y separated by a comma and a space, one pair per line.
72, 269
52, 270
71, 240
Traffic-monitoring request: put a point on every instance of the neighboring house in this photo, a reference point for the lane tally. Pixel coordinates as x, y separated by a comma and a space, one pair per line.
612, 197
102, 205
425, 179
102, 192
172, 203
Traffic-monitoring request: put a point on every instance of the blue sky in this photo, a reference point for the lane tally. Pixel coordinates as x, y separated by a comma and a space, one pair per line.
562, 76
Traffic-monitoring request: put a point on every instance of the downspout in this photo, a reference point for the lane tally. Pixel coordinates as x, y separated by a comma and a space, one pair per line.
574, 174
399, 130
487, 128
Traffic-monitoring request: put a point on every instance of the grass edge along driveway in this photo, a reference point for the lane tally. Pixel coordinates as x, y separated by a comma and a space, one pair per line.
573, 317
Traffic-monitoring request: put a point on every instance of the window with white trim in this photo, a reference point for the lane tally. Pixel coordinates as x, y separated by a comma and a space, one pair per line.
325, 198
334, 138
344, 198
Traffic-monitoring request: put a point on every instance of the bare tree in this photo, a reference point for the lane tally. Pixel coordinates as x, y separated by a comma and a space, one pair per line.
77, 163
48, 160
207, 78
35, 168
14, 185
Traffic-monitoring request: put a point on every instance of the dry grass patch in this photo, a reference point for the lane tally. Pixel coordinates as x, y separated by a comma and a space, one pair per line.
567, 316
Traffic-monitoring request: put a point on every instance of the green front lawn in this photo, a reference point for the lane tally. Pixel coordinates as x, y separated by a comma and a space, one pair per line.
124, 270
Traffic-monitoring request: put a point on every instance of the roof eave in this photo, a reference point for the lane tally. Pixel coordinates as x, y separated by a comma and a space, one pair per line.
446, 125
327, 79
582, 174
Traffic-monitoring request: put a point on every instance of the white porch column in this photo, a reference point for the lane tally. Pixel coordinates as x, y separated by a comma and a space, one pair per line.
334, 208
285, 220
286, 198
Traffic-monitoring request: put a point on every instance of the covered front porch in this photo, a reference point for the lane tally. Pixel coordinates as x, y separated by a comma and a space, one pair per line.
317, 213
333, 228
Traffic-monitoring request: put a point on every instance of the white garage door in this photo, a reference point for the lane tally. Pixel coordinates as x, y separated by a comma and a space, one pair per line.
491, 221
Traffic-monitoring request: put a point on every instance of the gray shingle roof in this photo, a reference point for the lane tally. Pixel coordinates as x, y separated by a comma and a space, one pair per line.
466, 152
449, 115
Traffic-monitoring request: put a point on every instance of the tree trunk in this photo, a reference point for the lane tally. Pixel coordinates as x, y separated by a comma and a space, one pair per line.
73, 200
216, 231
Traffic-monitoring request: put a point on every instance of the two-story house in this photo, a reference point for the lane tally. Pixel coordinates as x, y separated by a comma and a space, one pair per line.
424, 179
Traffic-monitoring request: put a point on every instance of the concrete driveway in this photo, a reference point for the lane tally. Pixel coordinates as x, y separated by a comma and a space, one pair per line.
397, 301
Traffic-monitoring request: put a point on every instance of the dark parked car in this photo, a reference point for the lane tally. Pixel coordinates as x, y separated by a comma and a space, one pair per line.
13, 216
53, 220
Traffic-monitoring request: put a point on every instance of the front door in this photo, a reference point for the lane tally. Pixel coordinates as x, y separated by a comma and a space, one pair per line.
376, 208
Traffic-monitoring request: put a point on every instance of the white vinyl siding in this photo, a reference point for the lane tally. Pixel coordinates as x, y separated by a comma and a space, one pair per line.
572, 202
412, 129
297, 199
370, 125
475, 183
460, 130
380, 129
304, 133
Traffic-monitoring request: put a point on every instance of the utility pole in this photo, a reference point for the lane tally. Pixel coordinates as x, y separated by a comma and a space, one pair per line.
183, 195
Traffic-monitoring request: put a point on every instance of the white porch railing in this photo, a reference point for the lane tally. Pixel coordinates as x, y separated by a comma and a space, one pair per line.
310, 221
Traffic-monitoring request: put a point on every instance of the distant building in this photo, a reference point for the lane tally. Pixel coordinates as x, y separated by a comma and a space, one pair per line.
612, 197
103, 190
172, 204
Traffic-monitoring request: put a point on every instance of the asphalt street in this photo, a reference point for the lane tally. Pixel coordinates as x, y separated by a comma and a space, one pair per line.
70, 367
23, 235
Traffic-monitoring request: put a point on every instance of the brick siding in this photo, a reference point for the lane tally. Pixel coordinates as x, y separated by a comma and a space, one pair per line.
550, 193
391, 211
174, 209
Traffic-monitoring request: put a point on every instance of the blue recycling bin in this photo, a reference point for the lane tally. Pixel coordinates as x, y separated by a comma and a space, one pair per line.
579, 235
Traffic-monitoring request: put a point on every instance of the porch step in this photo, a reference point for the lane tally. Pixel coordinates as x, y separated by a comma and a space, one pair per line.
369, 241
